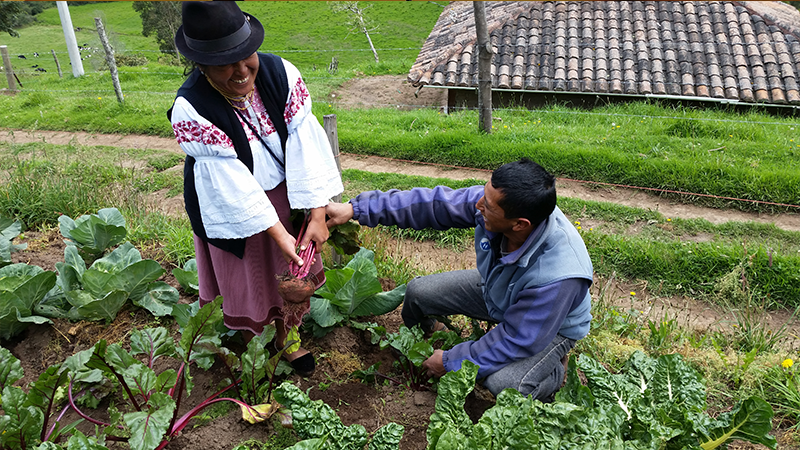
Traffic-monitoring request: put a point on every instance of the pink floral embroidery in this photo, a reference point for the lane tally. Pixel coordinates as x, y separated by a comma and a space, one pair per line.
192, 131
299, 96
264, 122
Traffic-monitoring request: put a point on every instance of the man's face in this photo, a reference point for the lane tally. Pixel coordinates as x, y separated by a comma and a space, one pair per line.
493, 215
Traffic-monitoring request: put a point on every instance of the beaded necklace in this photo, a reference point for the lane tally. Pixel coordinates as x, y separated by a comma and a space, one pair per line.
245, 99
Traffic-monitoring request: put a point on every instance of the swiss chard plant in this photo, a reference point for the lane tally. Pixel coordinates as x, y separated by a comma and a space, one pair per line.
320, 426
351, 292
30, 418
94, 234
9, 229
150, 418
650, 404
187, 277
22, 287
411, 349
100, 291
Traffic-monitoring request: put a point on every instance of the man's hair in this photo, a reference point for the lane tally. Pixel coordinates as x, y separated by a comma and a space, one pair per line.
529, 191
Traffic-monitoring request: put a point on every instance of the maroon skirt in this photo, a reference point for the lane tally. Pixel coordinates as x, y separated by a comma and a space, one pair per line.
249, 286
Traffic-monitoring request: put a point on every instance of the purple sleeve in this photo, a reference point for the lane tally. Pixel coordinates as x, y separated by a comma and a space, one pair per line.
439, 208
528, 326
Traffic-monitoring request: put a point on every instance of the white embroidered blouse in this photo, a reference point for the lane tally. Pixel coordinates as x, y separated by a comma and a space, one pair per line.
232, 201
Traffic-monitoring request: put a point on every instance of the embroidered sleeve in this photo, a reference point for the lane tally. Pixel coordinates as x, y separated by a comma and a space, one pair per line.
232, 203
312, 177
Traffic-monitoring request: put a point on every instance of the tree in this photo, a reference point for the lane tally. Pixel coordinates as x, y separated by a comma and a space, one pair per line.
163, 19
8, 14
356, 20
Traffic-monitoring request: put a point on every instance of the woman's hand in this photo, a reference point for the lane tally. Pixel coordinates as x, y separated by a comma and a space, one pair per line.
286, 242
316, 230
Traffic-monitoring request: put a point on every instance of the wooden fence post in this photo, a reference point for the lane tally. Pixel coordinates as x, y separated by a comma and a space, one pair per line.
484, 68
12, 84
112, 64
58, 65
329, 123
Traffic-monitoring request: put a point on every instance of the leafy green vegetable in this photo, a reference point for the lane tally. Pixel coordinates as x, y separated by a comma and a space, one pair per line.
21, 288
99, 292
320, 426
344, 238
93, 234
650, 404
9, 229
350, 292
187, 277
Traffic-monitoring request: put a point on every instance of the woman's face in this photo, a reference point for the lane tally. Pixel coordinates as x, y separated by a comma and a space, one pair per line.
236, 79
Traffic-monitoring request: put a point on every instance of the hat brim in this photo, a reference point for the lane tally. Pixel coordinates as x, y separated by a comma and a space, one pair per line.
230, 56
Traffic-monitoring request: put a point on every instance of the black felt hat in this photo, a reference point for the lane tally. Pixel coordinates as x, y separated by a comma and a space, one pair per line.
216, 33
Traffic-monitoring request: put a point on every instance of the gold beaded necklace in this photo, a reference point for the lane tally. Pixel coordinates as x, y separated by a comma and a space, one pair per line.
246, 99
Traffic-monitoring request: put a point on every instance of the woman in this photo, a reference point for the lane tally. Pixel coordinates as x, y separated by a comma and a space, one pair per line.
254, 151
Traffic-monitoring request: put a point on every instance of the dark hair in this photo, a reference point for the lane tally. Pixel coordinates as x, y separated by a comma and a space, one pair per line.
529, 191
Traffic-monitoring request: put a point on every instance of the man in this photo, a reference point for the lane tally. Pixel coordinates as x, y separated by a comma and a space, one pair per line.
532, 279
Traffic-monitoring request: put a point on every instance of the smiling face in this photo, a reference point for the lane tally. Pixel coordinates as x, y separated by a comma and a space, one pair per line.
493, 215
235, 79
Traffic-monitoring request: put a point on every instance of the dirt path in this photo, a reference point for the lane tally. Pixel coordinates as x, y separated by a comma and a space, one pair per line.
585, 191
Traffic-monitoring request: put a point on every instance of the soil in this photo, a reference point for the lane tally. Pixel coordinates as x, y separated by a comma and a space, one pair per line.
346, 349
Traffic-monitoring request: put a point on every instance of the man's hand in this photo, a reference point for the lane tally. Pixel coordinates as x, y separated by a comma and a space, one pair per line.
434, 364
338, 213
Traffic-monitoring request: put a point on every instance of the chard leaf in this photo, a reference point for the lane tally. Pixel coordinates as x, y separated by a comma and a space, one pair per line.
153, 343
140, 378
200, 330
21, 425
87, 366
254, 361
574, 391
387, 437
159, 298
183, 312
750, 421
79, 441
381, 303
449, 419
10, 368
149, 426
610, 390
42, 392
308, 444
166, 380
187, 277
118, 358
86, 307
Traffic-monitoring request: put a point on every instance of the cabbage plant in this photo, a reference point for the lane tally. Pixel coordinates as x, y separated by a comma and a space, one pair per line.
22, 287
100, 291
94, 234
350, 292
9, 229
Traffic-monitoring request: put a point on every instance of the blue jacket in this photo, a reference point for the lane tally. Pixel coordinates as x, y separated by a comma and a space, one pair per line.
534, 293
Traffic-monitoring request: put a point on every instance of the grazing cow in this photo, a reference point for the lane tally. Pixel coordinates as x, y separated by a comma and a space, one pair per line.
22, 57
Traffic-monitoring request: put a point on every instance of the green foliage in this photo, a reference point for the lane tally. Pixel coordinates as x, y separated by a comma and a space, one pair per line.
9, 229
22, 287
350, 292
187, 277
161, 19
652, 403
344, 238
94, 234
99, 292
320, 426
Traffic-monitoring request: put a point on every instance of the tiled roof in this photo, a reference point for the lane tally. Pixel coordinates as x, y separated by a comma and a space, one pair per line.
739, 51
